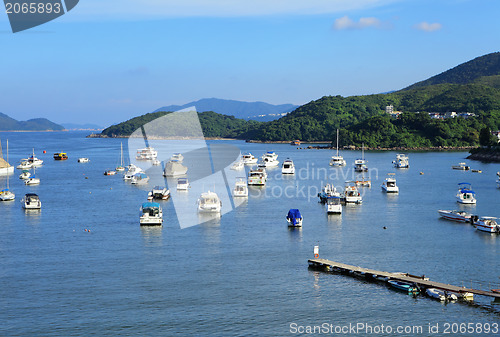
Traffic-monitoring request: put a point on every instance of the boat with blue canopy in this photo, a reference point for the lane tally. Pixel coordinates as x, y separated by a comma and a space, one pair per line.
294, 218
151, 214
465, 194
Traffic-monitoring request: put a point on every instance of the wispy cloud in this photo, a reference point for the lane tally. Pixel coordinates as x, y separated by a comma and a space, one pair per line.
346, 22
428, 27
143, 9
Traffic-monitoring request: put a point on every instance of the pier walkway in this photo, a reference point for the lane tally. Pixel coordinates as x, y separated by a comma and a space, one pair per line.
328, 265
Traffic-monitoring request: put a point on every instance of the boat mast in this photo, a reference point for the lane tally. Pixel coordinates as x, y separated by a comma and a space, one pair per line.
337, 142
7, 164
121, 154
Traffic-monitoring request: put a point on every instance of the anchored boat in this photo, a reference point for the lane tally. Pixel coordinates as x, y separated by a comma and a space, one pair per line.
209, 202
240, 188
465, 194
151, 214
389, 185
294, 218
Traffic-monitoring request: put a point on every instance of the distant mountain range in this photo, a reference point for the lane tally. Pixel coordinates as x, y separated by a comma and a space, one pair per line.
72, 126
37, 124
259, 111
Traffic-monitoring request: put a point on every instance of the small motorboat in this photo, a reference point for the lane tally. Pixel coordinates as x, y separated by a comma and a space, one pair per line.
351, 193
60, 156
174, 169
488, 224
109, 172
461, 166
363, 182
83, 160
32, 181
183, 184
333, 205
159, 192
389, 185
31, 201
327, 191
209, 202
257, 177
288, 167
360, 163
460, 216
238, 165
440, 295
7, 195
177, 157
249, 159
151, 214
24, 165
240, 188
407, 287
465, 194
25, 175
269, 159
294, 218
156, 162
295, 142
402, 161
140, 179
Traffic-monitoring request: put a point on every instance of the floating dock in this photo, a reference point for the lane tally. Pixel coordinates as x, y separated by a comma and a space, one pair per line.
327, 265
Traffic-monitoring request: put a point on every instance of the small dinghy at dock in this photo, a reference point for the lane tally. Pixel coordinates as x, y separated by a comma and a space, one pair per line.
410, 288
441, 295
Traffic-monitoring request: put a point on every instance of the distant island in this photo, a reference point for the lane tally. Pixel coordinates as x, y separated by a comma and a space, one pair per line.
455, 109
38, 124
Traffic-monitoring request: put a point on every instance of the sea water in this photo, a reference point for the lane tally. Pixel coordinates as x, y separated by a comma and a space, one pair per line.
84, 266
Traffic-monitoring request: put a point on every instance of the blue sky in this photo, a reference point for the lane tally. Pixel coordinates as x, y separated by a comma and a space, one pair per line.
107, 61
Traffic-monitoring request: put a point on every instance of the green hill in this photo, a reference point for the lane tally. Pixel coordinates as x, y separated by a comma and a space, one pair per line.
468, 72
38, 124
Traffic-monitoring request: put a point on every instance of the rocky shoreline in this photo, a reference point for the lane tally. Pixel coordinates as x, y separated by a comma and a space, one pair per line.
490, 155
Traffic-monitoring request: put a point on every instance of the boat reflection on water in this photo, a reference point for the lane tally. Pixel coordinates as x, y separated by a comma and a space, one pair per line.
152, 236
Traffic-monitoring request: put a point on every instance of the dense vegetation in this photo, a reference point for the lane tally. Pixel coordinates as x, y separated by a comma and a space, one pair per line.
474, 88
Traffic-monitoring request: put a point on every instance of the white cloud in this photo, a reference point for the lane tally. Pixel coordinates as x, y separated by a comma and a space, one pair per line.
347, 23
428, 27
144, 9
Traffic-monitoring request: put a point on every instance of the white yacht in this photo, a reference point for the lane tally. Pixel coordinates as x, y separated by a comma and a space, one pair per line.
294, 218
33, 160
240, 188
6, 194
159, 192
147, 153
249, 159
333, 204
31, 201
488, 224
337, 160
238, 165
465, 194
269, 159
257, 177
402, 161
174, 169
360, 163
327, 191
25, 175
140, 179
209, 202
177, 157
111, 173
389, 185
24, 165
5, 167
288, 167
83, 160
151, 214
351, 193
461, 167
183, 184
132, 170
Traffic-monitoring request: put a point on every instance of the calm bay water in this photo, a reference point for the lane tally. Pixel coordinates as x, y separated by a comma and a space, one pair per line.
245, 275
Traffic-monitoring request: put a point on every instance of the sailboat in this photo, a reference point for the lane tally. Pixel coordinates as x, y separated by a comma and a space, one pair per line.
6, 194
32, 180
360, 164
5, 167
121, 167
337, 160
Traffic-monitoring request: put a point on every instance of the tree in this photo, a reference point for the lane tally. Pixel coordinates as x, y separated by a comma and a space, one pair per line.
485, 137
